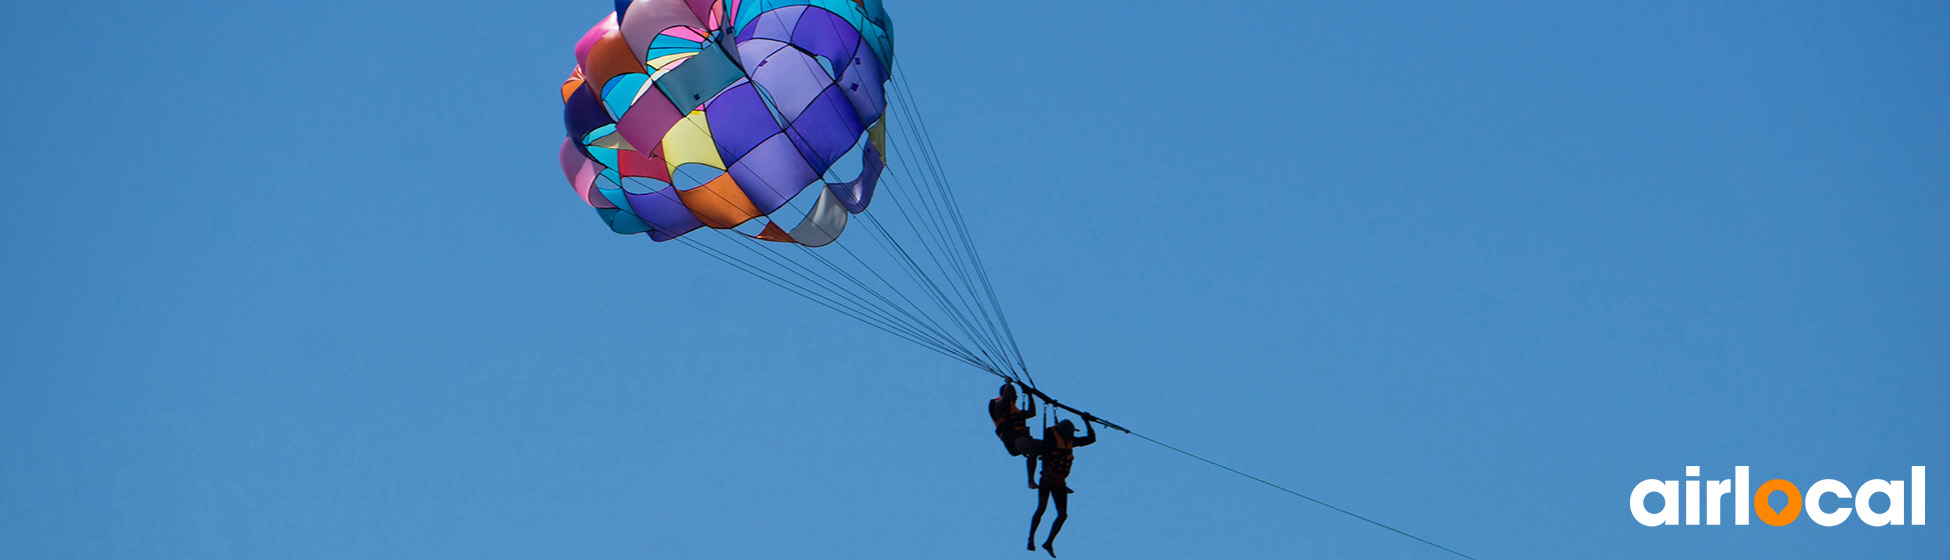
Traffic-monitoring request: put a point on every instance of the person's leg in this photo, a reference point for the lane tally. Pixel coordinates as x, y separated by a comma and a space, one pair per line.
1029, 461
1030, 448
1042, 501
1062, 513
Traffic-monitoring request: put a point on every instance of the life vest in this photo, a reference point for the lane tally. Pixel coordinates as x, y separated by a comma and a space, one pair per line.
1008, 420
1057, 455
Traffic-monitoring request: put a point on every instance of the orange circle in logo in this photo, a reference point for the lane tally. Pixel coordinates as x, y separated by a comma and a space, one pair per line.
1783, 516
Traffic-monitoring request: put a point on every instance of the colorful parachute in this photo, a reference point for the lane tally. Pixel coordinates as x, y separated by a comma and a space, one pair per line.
684, 114
756, 132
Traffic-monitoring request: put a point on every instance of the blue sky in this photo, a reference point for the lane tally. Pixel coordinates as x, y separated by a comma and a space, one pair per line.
302, 280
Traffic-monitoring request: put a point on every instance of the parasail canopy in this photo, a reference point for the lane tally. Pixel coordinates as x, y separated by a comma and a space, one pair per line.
763, 133
686, 114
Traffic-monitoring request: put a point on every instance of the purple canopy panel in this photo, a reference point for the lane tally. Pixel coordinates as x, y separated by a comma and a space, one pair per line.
776, 25
827, 130
865, 84
822, 33
858, 193
739, 121
664, 212
792, 79
773, 173
752, 54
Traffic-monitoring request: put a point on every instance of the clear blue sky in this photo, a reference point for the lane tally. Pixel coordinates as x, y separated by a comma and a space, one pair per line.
302, 280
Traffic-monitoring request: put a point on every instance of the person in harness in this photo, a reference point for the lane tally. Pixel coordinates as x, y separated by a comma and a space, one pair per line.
1058, 441
1012, 428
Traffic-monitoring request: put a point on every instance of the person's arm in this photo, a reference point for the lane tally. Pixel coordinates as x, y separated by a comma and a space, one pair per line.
1029, 411
1090, 436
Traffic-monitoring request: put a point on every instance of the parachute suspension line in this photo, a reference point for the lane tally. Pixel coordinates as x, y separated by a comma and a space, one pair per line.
944, 261
922, 137
821, 289
940, 253
945, 255
934, 242
931, 288
805, 273
827, 303
900, 255
951, 209
834, 298
991, 338
961, 309
860, 311
956, 316
991, 350
830, 296
1297, 494
957, 282
984, 339
975, 257
929, 324
876, 274
950, 350
859, 307
933, 325
816, 287
916, 324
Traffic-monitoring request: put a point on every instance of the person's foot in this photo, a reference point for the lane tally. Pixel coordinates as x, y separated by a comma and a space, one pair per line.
1068, 490
1050, 547
1032, 543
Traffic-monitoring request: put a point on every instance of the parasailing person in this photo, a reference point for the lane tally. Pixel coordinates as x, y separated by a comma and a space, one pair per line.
1011, 427
1058, 441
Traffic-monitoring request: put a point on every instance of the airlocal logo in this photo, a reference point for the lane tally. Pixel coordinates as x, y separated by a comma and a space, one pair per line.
1791, 502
